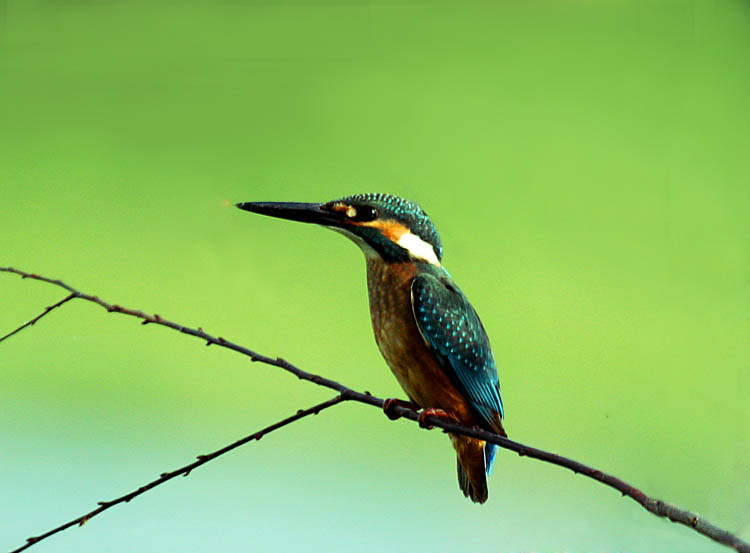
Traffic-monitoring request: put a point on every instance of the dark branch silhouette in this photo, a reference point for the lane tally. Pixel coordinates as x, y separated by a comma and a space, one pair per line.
655, 506
42, 314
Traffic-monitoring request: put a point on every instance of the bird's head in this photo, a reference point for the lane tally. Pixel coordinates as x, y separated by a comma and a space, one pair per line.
382, 225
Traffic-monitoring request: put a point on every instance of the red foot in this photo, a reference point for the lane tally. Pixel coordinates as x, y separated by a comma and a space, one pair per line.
392, 402
433, 412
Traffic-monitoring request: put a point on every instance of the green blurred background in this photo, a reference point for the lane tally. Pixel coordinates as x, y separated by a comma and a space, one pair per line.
585, 162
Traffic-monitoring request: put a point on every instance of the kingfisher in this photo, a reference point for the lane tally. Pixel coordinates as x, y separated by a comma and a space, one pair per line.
426, 329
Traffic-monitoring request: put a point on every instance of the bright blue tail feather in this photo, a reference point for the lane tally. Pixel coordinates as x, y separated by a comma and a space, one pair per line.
489, 456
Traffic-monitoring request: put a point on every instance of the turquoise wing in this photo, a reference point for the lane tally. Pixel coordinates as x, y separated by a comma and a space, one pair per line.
451, 327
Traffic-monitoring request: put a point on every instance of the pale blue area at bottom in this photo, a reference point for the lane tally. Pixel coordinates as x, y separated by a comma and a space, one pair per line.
257, 500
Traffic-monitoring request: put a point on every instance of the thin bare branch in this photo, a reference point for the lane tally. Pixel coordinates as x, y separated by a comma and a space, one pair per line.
42, 314
655, 506
184, 471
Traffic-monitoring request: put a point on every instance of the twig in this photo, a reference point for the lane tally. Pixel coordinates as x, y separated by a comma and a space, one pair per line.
42, 314
209, 339
187, 469
655, 506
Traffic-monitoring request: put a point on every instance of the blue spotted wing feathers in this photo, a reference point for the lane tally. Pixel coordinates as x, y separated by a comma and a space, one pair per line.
452, 328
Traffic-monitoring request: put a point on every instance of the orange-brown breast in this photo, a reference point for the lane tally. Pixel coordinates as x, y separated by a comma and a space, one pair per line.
411, 360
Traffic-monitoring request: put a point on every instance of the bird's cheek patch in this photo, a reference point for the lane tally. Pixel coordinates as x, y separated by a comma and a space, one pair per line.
418, 248
392, 230
401, 235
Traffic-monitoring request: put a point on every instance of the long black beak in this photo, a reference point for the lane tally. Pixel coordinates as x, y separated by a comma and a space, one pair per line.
294, 211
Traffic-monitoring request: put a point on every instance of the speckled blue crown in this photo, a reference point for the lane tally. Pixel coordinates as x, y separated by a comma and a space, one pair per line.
406, 212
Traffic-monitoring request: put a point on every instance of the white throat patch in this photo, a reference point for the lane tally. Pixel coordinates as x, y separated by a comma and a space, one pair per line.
418, 248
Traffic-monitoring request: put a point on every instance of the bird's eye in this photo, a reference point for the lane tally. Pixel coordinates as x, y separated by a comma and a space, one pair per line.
362, 214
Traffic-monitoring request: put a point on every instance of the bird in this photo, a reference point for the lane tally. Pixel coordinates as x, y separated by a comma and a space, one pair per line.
429, 334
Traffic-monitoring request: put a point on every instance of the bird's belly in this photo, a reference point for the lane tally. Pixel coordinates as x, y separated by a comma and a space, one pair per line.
412, 362
397, 347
